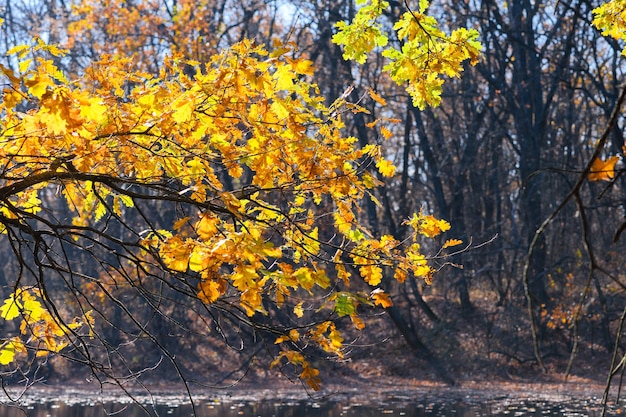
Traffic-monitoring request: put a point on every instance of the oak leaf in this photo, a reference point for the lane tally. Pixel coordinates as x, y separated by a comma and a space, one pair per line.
381, 298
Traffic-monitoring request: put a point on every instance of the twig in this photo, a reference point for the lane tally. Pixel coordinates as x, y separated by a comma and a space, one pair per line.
607, 387
574, 191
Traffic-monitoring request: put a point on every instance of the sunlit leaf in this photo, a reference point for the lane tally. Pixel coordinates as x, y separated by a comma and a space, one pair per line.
385, 167
376, 97
10, 308
603, 170
298, 311
452, 242
381, 298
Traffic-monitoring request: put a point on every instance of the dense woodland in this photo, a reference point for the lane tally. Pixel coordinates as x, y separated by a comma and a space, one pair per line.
501, 158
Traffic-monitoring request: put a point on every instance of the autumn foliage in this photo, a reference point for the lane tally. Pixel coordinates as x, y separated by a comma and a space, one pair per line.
161, 151
266, 186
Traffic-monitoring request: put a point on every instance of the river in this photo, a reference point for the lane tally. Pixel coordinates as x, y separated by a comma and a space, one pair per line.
76, 404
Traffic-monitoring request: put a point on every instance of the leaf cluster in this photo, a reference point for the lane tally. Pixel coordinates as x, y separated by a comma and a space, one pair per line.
426, 53
267, 186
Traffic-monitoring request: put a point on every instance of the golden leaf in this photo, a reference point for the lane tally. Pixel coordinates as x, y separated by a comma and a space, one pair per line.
431, 227
207, 226
378, 99
452, 242
372, 274
180, 223
386, 132
209, 290
358, 323
381, 298
385, 167
310, 376
8, 351
284, 78
10, 309
603, 170
298, 311
232, 203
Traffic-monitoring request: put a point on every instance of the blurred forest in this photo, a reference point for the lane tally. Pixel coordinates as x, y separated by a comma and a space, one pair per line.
497, 158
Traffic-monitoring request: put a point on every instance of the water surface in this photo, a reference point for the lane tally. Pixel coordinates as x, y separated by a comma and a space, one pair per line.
177, 407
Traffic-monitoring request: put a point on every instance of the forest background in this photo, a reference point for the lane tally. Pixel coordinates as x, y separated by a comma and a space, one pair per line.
513, 142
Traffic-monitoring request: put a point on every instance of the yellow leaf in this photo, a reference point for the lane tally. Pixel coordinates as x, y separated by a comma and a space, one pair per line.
196, 167
209, 290
279, 109
385, 167
10, 309
603, 170
400, 275
25, 64
183, 108
128, 201
38, 86
175, 254
311, 243
284, 78
310, 376
32, 307
19, 50
100, 211
303, 66
342, 273
358, 323
7, 352
196, 260
298, 311
336, 339
94, 109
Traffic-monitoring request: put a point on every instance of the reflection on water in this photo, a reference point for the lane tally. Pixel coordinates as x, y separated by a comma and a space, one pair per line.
508, 407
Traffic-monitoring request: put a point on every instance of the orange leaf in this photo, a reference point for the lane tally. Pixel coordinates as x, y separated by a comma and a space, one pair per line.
231, 202
452, 242
356, 320
378, 99
603, 170
310, 376
386, 132
372, 274
381, 298
207, 226
180, 223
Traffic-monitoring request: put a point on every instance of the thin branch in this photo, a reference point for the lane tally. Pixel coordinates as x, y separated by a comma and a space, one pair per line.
539, 232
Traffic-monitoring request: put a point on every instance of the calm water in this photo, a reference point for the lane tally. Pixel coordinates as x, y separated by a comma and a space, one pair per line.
208, 408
